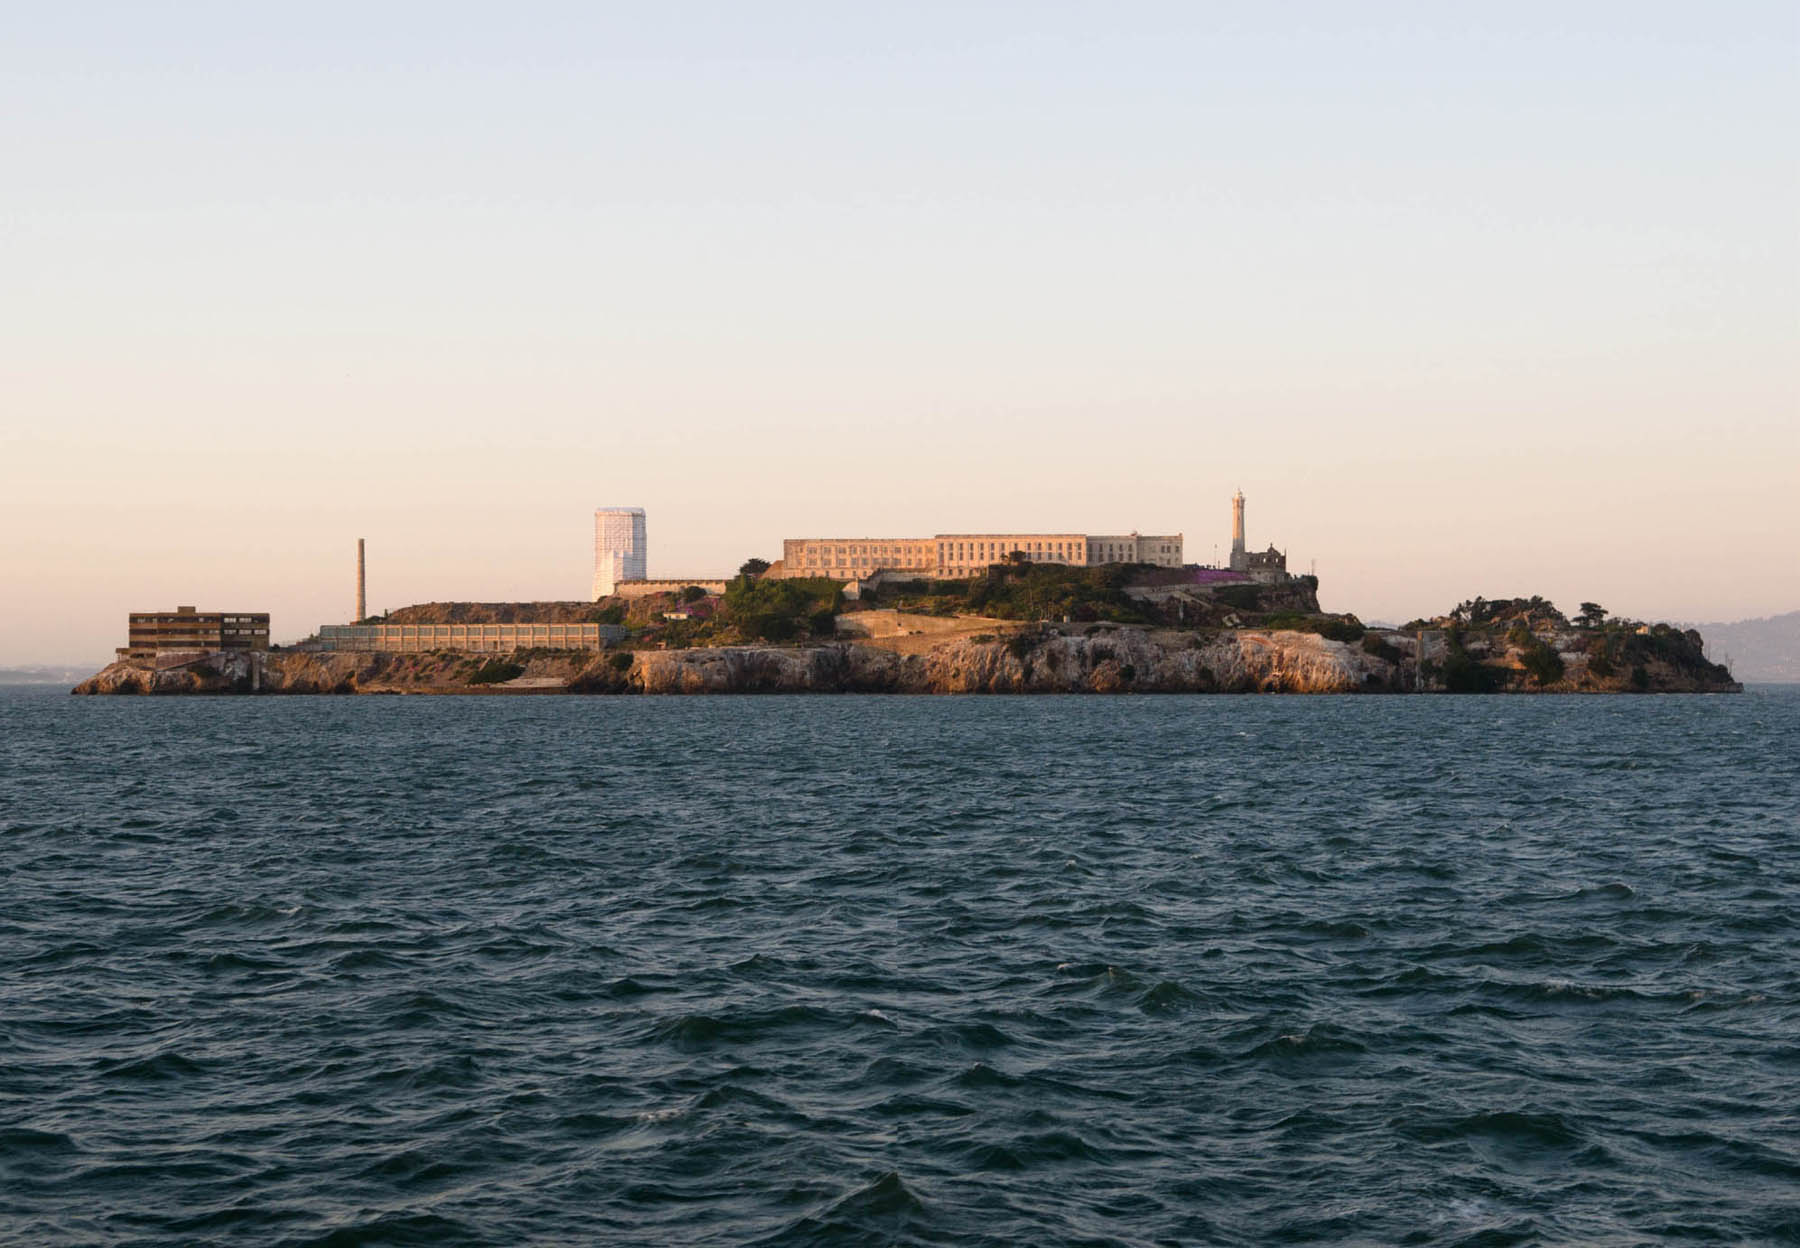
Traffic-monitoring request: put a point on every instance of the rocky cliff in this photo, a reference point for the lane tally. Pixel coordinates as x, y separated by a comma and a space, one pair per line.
1097, 659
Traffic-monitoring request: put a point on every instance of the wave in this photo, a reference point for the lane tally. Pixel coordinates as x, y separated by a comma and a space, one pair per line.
882, 1211
691, 1032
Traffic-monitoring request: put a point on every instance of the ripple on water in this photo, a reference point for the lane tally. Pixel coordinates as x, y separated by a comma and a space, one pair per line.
898, 971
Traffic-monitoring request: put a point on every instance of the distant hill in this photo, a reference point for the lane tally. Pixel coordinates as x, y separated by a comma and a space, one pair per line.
42, 675
1757, 650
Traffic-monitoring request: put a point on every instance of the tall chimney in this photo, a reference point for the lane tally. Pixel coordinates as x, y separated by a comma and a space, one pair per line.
1239, 559
362, 586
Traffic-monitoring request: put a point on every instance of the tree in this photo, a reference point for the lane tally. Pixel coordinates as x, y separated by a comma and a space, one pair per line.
1592, 615
753, 567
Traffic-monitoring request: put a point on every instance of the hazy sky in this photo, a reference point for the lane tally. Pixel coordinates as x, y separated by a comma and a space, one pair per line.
1468, 299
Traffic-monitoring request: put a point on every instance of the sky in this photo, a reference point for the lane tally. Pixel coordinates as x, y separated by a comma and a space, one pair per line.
1466, 299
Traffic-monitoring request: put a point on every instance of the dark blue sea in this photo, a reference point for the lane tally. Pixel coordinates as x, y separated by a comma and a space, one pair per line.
877, 970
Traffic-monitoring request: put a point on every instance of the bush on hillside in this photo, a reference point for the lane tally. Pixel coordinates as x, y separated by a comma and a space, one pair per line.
1331, 628
1464, 673
1543, 663
1243, 597
496, 672
766, 610
1381, 648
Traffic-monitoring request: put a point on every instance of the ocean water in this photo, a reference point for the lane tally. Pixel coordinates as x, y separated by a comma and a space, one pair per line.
848, 970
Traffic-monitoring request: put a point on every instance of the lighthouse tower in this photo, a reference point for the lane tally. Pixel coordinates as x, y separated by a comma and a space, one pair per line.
1240, 559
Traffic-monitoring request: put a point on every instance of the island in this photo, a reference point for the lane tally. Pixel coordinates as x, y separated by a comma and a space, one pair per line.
1016, 627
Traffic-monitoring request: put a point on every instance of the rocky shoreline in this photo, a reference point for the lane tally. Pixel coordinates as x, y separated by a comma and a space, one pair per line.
1099, 659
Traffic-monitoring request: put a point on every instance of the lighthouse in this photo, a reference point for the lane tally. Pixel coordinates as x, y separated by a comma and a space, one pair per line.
1240, 559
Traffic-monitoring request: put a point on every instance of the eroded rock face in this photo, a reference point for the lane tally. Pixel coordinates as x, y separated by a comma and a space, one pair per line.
1111, 661
1107, 659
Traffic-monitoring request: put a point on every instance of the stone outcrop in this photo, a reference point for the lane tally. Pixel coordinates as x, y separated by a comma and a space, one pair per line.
1042, 659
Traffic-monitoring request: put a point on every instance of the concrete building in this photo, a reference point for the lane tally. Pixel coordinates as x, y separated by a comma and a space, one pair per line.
476, 638
188, 631
620, 548
950, 555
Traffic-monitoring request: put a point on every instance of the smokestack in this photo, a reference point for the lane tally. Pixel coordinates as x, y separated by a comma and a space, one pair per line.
1239, 559
362, 586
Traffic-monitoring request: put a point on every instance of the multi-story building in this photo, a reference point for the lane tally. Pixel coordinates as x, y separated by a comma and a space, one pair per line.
620, 548
950, 555
188, 631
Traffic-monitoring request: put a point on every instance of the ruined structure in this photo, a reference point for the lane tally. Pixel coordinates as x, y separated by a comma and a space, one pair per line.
185, 630
1268, 566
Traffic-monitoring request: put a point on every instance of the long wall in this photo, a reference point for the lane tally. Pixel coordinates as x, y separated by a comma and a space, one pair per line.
643, 589
480, 638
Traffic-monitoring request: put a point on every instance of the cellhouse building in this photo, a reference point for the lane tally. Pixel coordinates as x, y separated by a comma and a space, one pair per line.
619, 548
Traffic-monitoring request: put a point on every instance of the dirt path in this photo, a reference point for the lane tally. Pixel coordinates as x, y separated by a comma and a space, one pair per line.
906, 633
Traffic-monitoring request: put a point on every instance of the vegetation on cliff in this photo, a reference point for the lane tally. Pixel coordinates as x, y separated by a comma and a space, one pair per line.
1023, 591
1108, 593
1020, 627
1492, 645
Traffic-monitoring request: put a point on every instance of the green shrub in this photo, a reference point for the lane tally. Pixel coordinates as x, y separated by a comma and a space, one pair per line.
1381, 648
1484, 611
496, 672
621, 661
1329, 627
765, 610
1543, 663
1243, 597
1465, 674
1640, 678
1049, 591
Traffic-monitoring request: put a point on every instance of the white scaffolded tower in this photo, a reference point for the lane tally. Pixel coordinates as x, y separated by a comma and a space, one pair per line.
619, 548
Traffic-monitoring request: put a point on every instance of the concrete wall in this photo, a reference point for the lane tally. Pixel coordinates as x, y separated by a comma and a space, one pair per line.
476, 638
643, 589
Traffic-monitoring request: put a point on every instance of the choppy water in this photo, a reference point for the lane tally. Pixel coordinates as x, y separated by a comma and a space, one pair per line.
885, 970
